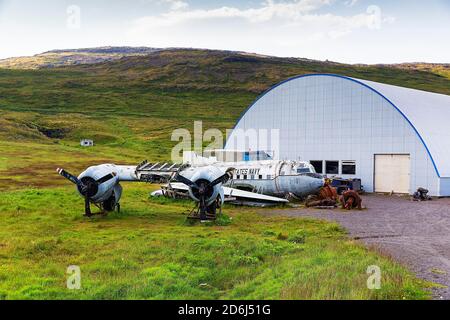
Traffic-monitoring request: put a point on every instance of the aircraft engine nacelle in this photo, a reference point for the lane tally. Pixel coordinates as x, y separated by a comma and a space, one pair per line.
100, 185
206, 177
103, 185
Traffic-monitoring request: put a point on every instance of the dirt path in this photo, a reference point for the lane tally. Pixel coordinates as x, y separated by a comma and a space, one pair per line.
415, 233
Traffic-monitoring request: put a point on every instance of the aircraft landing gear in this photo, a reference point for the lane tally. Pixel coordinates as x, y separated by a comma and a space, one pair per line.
206, 213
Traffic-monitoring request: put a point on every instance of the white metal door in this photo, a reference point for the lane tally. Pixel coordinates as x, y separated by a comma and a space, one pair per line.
392, 173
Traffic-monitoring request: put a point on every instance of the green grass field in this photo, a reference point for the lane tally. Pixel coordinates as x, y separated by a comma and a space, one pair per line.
130, 107
149, 252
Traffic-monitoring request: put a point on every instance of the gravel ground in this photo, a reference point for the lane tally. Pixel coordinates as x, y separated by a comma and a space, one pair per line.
417, 234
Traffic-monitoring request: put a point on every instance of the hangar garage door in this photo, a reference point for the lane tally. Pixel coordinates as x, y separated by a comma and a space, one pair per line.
392, 173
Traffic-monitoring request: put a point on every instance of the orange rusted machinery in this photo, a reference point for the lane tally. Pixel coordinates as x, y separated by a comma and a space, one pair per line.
326, 198
351, 200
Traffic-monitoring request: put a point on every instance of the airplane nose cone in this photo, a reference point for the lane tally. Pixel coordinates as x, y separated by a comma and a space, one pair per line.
317, 183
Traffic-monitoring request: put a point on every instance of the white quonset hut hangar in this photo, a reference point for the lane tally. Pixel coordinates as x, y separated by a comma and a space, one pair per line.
393, 138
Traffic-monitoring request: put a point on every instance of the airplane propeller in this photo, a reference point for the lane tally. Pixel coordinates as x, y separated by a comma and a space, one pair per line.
203, 189
88, 187
200, 185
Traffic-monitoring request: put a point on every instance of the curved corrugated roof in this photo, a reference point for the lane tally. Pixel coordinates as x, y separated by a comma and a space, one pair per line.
428, 113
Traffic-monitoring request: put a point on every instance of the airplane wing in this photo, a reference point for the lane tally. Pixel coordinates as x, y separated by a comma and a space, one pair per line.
178, 186
241, 194
157, 172
231, 194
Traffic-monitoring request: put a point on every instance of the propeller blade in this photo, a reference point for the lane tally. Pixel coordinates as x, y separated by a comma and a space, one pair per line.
186, 181
105, 178
84, 188
222, 179
69, 177
87, 206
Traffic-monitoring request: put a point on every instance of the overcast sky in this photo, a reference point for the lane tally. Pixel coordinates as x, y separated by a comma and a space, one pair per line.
354, 31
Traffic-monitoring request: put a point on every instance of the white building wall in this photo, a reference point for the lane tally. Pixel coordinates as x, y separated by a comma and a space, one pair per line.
334, 118
444, 187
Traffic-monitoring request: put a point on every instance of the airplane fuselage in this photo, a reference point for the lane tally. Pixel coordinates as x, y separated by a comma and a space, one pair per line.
270, 177
276, 178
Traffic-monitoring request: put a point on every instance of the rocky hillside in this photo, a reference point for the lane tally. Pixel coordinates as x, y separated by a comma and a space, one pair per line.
218, 70
57, 58
189, 69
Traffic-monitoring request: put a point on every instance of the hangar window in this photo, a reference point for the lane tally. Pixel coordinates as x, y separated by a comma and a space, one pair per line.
252, 177
349, 167
318, 166
260, 177
332, 167
238, 177
245, 177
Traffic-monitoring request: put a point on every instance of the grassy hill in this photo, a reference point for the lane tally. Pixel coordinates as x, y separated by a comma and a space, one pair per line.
436, 68
134, 103
130, 105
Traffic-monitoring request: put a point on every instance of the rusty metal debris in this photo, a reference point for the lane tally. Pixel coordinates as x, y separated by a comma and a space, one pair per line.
351, 200
328, 198
421, 195
325, 199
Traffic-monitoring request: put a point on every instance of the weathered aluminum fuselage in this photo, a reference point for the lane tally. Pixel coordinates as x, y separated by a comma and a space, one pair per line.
276, 178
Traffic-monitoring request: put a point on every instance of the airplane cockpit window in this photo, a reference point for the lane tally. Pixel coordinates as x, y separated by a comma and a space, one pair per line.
303, 170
